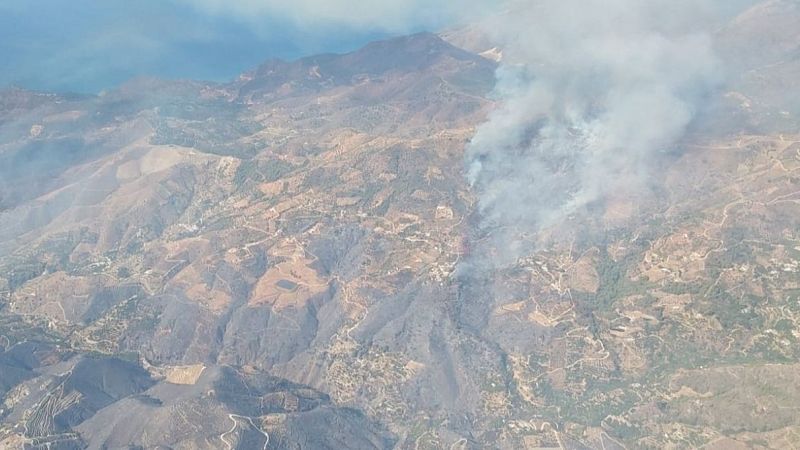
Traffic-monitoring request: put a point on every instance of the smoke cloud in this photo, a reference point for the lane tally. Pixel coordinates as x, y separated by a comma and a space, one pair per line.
396, 16
591, 92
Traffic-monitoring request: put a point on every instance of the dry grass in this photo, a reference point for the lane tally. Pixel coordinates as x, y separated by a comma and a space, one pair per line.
187, 375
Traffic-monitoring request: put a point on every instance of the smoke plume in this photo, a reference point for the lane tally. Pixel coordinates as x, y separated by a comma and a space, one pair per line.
397, 16
591, 91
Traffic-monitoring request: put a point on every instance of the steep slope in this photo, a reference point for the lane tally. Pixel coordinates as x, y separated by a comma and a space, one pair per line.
762, 46
238, 224
278, 257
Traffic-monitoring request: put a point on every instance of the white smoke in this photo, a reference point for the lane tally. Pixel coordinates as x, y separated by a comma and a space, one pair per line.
396, 16
590, 91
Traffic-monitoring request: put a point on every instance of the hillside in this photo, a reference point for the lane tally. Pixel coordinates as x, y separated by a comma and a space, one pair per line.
273, 263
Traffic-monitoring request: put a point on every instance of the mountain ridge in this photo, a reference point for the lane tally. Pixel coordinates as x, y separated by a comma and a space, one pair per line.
276, 258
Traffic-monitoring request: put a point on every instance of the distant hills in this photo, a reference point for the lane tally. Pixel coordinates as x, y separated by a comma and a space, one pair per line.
274, 262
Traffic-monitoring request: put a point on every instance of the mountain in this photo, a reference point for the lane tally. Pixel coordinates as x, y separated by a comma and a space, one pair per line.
272, 262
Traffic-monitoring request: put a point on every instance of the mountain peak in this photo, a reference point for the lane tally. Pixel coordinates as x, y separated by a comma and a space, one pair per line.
400, 55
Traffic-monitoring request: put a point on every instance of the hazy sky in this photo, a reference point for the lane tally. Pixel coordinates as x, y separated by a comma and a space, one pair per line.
89, 45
